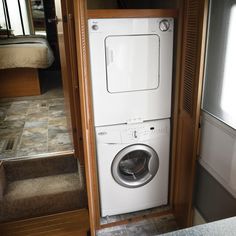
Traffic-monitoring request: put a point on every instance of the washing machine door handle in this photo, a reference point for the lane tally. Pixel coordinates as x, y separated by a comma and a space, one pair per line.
153, 164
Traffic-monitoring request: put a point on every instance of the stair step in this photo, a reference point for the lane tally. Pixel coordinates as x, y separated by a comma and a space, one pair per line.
42, 196
39, 167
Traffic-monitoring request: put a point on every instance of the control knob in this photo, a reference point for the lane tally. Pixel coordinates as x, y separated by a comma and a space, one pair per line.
164, 25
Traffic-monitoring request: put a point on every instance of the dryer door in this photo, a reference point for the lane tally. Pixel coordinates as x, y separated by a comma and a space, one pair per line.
135, 166
132, 62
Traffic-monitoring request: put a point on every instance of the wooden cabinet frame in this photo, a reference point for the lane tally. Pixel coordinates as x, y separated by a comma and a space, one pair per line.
183, 157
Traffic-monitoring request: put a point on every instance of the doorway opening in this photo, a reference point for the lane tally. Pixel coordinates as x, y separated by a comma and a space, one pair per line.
32, 124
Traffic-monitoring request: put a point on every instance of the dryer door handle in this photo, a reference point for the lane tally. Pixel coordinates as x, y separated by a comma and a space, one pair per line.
109, 56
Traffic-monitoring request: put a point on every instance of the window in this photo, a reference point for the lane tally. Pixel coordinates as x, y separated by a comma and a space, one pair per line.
228, 96
17, 18
219, 97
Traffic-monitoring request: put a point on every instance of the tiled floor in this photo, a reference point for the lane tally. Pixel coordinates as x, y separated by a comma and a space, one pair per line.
149, 227
126, 216
33, 126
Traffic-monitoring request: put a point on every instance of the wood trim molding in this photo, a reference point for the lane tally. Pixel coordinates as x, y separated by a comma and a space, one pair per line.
62, 224
80, 10
75, 99
175, 99
131, 13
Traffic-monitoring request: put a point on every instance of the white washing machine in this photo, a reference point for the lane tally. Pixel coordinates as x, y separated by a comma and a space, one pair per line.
131, 69
133, 166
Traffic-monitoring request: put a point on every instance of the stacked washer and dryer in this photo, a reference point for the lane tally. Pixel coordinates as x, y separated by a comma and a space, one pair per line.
131, 71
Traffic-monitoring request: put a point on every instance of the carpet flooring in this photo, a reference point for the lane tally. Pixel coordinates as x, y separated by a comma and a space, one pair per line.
41, 187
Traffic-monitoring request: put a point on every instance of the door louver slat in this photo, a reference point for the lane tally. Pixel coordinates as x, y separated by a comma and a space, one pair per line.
191, 36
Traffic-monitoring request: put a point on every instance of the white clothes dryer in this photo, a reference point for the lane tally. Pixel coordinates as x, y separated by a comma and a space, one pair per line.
131, 69
133, 166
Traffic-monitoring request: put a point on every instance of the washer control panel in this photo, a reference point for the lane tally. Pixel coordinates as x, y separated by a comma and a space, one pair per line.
144, 131
132, 133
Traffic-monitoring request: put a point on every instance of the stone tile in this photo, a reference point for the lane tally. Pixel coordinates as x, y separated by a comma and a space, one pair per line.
20, 104
5, 104
34, 120
57, 125
59, 142
32, 150
144, 228
165, 224
28, 147
34, 124
18, 124
57, 107
111, 219
34, 110
2, 142
55, 114
33, 141
9, 128
56, 101
6, 155
113, 231
38, 116
3, 112
17, 111
15, 117
39, 103
35, 133
9, 132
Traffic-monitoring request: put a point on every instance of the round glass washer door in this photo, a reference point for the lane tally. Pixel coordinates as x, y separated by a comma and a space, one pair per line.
135, 166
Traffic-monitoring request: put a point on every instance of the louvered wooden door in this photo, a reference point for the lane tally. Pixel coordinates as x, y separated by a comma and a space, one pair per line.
189, 107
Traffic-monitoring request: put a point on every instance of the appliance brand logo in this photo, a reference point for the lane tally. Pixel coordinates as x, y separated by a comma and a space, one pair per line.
102, 133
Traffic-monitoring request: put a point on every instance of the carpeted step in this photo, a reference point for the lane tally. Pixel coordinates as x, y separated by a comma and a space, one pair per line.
39, 167
40, 196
